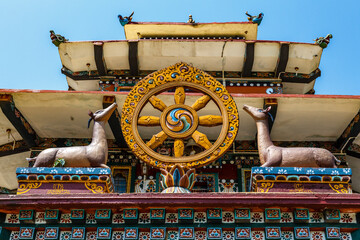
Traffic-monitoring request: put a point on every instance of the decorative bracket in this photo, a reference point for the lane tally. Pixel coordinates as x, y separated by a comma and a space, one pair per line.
133, 58
283, 59
350, 132
271, 102
99, 58
114, 122
18, 120
249, 59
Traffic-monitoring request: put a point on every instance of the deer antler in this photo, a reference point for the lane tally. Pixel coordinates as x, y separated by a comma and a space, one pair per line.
91, 114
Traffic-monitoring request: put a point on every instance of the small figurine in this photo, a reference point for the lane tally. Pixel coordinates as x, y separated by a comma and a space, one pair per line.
125, 20
191, 20
255, 19
323, 41
57, 38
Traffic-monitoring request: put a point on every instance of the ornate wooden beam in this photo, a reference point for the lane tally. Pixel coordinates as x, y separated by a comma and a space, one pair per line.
353, 153
271, 102
99, 58
350, 132
18, 120
286, 77
199, 200
300, 78
114, 122
133, 58
283, 59
353, 150
249, 59
13, 148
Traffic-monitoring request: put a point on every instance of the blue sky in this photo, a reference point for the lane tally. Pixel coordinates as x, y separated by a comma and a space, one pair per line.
28, 59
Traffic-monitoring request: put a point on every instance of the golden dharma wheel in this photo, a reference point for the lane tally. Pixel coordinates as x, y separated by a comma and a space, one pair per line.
179, 122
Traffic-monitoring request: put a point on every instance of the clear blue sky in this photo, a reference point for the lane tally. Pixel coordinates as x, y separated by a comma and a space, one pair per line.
28, 59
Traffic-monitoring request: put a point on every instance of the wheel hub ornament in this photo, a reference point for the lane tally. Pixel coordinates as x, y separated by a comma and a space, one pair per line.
179, 121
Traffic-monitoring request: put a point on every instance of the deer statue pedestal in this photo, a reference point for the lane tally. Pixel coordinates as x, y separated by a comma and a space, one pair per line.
302, 180
58, 181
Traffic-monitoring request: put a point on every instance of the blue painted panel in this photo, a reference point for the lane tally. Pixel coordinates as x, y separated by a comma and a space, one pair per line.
301, 170
66, 170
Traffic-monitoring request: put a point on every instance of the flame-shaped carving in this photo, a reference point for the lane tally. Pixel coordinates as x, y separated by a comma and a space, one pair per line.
176, 180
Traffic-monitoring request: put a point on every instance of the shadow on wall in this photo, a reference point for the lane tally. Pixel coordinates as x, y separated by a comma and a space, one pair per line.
354, 164
8, 165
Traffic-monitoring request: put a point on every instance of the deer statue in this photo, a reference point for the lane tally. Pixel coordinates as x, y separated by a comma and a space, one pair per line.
93, 155
273, 156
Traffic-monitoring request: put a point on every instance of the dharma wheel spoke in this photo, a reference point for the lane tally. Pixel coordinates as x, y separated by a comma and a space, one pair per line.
149, 121
201, 139
201, 102
179, 148
157, 140
210, 120
179, 95
157, 103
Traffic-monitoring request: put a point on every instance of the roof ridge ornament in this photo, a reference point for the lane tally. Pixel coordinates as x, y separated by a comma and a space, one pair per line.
191, 20
57, 38
255, 19
323, 42
125, 20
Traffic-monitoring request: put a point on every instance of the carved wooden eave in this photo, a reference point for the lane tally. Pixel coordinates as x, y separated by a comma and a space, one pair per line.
294, 64
63, 114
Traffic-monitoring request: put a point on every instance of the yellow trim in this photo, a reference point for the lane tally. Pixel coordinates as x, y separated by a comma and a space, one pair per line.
136, 31
28, 182
339, 188
58, 181
298, 188
25, 188
128, 180
95, 188
300, 181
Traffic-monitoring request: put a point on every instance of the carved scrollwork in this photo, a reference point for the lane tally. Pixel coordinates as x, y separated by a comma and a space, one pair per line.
265, 187
25, 187
339, 187
94, 188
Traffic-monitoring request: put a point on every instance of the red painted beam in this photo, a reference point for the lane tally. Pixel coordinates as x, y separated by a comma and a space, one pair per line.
195, 200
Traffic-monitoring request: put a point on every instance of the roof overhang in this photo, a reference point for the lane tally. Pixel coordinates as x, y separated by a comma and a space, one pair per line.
87, 61
304, 58
63, 114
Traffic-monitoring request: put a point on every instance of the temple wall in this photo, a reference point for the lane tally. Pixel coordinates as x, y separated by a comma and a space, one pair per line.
8, 167
354, 164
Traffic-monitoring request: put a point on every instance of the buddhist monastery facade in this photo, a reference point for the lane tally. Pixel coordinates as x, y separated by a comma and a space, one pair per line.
179, 126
